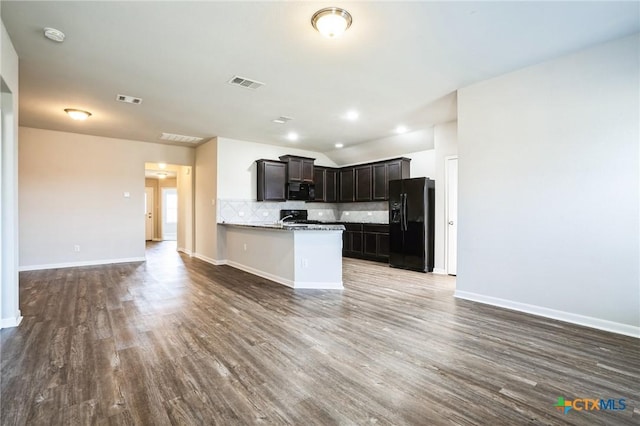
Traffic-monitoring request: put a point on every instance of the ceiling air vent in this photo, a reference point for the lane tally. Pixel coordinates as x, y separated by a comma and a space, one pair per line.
282, 119
179, 138
245, 82
129, 99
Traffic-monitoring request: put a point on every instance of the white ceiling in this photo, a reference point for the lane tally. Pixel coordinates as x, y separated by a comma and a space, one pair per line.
394, 65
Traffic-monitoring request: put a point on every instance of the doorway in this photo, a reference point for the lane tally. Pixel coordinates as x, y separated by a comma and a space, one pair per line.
170, 205
148, 213
451, 214
169, 214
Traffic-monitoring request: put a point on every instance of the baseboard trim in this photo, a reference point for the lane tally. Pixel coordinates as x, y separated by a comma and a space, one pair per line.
11, 322
156, 239
285, 281
77, 264
271, 277
600, 324
209, 260
439, 271
185, 251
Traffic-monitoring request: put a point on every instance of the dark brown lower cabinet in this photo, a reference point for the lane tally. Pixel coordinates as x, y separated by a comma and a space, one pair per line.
366, 241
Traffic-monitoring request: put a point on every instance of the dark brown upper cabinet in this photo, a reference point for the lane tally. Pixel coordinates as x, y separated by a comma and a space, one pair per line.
385, 171
272, 180
363, 183
347, 185
299, 169
325, 180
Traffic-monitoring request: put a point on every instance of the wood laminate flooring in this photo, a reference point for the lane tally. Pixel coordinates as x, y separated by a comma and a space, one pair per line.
177, 341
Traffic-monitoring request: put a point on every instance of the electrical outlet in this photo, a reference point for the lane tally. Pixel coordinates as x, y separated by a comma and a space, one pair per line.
369, 214
305, 263
244, 246
240, 214
76, 248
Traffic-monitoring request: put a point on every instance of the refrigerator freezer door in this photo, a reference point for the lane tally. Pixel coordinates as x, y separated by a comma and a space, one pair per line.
396, 242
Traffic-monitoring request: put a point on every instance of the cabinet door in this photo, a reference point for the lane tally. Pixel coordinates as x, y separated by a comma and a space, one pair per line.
307, 171
295, 170
330, 186
272, 178
383, 245
370, 244
380, 185
356, 242
347, 185
394, 170
320, 182
363, 183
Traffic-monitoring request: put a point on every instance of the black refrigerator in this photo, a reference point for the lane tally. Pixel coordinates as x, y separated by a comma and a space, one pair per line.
411, 223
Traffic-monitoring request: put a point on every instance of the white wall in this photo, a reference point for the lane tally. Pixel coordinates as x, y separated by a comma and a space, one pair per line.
384, 148
206, 187
549, 188
446, 144
72, 193
185, 209
9, 303
237, 168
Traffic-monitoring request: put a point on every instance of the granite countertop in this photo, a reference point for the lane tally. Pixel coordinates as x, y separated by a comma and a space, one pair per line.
288, 226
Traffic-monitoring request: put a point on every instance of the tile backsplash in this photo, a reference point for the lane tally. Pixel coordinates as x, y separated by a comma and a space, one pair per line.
251, 211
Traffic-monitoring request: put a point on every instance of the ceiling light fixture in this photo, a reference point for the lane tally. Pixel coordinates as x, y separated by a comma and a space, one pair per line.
352, 115
292, 136
162, 175
77, 114
331, 22
162, 165
339, 145
54, 35
401, 129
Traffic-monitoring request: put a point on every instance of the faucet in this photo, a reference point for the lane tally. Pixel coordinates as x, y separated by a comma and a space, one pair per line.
281, 221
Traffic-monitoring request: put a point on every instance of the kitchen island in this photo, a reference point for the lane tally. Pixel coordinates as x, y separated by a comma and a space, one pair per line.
301, 256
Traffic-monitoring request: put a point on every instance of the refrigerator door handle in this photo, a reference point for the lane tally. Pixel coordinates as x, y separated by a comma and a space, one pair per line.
404, 212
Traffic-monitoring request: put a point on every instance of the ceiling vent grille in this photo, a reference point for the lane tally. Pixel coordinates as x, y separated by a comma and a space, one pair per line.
179, 138
282, 119
128, 99
245, 82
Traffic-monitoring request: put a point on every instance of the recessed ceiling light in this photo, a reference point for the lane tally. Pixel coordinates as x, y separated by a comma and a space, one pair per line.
352, 115
77, 114
54, 35
401, 129
162, 165
331, 22
292, 136
339, 145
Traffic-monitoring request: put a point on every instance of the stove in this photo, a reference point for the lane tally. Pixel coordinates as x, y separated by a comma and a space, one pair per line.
297, 216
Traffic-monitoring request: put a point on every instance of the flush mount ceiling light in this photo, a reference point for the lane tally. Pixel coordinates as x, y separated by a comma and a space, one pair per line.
54, 35
292, 136
77, 114
401, 129
352, 115
339, 145
331, 22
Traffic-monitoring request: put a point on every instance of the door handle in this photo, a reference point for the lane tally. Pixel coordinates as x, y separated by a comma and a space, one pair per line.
450, 222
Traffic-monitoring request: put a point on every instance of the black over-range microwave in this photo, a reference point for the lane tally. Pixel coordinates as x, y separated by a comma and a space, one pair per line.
301, 191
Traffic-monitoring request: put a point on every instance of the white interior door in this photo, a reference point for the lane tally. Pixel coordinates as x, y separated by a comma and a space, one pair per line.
148, 213
169, 214
451, 166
